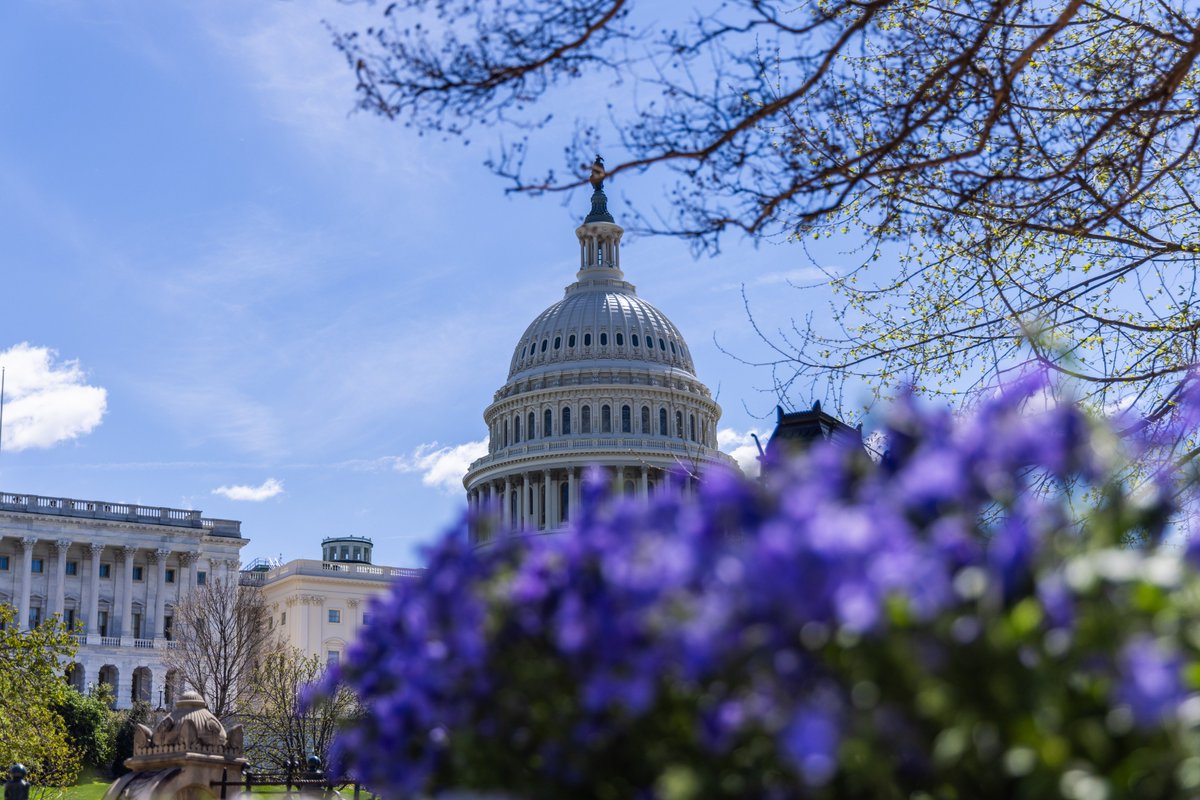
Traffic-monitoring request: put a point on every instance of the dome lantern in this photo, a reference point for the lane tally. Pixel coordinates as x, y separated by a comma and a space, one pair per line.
599, 235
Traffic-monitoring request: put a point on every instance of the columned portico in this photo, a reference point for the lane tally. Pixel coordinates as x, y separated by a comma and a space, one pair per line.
77, 557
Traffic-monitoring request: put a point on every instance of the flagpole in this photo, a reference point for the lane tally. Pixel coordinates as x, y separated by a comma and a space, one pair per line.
1, 408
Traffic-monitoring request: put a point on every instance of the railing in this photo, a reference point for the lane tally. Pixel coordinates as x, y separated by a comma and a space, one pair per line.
304, 566
110, 641
157, 515
685, 448
143, 644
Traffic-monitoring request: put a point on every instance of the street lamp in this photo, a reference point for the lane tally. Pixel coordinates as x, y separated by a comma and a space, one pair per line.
160, 706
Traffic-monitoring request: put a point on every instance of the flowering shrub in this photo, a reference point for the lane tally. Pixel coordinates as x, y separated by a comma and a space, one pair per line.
967, 619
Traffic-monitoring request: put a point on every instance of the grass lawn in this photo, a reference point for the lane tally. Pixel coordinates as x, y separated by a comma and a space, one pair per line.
88, 788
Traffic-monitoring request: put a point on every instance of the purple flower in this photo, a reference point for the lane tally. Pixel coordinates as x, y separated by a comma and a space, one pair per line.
810, 742
1150, 681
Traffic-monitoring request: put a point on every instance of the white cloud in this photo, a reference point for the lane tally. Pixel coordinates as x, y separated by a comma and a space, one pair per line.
271, 487
742, 447
46, 401
442, 467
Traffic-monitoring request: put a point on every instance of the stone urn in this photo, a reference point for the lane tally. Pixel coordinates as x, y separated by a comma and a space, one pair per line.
187, 752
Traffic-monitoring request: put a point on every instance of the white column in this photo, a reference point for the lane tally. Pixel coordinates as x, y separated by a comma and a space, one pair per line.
572, 494
25, 545
187, 570
553, 510
506, 506
127, 555
59, 584
644, 483
546, 509
93, 624
160, 593
522, 502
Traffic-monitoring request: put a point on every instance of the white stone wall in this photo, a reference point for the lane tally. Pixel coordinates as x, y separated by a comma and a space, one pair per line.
118, 580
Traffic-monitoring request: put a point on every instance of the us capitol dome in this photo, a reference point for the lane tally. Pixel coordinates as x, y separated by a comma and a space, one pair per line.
603, 378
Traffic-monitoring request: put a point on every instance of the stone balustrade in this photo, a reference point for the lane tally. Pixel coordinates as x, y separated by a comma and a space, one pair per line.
123, 512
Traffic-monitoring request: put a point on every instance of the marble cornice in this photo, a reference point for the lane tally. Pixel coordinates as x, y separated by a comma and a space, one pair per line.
51, 523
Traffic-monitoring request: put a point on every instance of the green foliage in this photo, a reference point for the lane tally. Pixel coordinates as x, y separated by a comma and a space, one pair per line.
31, 686
89, 725
139, 713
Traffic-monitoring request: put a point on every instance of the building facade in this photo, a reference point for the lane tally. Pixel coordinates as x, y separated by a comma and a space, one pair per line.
318, 605
113, 572
601, 378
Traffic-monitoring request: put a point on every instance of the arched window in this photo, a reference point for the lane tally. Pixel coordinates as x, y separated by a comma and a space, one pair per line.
585, 420
506, 433
565, 429
661, 344
545, 343
646, 420
626, 419
587, 340
558, 342
548, 424
662, 422
679, 424
604, 340
531, 430
571, 340
620, 339
605, 419
649, 342
633, 339
517, 429
692, 426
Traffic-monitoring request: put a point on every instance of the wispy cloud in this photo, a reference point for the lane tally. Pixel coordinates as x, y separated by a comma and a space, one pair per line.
442, 467
46, 401
788, 276
269, 488
741, 446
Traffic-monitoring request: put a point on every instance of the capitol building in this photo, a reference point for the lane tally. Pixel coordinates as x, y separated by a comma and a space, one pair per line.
602, 378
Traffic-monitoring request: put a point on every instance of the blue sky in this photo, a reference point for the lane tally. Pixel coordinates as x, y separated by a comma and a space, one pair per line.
225, 290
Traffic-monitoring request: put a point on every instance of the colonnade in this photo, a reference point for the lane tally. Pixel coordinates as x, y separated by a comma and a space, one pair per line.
543, 499
120, 574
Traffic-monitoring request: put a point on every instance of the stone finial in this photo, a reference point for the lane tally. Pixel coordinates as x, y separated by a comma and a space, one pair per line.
189, 724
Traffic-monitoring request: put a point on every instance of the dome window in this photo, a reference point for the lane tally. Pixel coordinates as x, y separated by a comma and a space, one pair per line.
558, 342
587, 340
523, 351
585, 419
605, 417
672, 348
649, 342
620, 339
517, 429
566, 421
661, 345
679, 424
548, 424
692, 426
626, 419
646, 429
531, 431
633, 339
545, 343
571, 340
604, 340
662, 422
